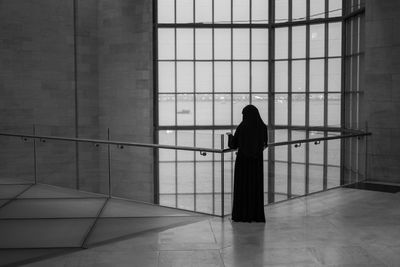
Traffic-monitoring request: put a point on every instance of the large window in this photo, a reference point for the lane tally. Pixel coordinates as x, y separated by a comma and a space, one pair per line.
353, 85
217, 56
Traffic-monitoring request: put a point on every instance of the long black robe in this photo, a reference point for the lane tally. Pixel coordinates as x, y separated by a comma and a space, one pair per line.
248, 197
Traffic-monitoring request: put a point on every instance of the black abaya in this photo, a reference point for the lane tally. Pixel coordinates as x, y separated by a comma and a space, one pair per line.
248, 197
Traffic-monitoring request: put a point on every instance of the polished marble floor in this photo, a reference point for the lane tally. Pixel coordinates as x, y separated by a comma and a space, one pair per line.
340, 227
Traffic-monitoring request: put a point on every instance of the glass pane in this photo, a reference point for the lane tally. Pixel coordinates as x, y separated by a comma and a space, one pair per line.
184, 11
317, 37
185, 180
354, 74
222, 11
222, 75
186, 201
165, 11
222, 113
298, 76
259, 44
281, 109
204, 181
166, 138
241, 77
317, 9
334, 152
259, 11
222, 44
204, 11
281, 76
317, 75
261, 102
203, 44
204, 109
299, 153
349, 39
239, 102
281, 11
184, 43
259, 76
316, 174
167, 177
335, 39
335, 8
281, 43
298, 179
316, 109
361, 34
299, 109
185, 138
316, 155
334, 75
241, 43
185, 109
185, 76
204, 138
299, 9
281, 152
299, 42
333, 176
166, 44
281, 179
166, 77
203, 77
334, 103
166, 109
241, 11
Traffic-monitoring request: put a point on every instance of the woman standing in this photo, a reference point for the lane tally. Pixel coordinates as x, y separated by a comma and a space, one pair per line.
251, 137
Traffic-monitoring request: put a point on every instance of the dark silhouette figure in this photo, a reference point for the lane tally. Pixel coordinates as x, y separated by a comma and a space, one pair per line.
251, 137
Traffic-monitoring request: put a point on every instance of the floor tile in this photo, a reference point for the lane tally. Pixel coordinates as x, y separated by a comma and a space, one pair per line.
255, 255
88, 258
204, 258
340, 227
5, 180
194, 236
18, 257
354, 255
112, 229
43, 233
52, 208
48, 191
124, 208
11, 191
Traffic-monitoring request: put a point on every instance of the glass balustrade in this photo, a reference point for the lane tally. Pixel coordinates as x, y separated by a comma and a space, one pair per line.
189, 170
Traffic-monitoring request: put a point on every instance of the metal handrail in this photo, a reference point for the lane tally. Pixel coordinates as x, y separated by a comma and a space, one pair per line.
222, 151
200, 149
111, 142
310, 140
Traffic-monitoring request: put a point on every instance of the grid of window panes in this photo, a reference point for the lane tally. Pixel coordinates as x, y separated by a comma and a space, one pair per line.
217, 56
354, 67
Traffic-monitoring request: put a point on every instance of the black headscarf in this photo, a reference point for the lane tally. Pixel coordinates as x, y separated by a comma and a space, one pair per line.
252, 132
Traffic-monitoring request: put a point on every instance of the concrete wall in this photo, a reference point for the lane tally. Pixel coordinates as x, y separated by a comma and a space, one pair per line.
125, 91
381, 102
114, 78
88, 95
36, 85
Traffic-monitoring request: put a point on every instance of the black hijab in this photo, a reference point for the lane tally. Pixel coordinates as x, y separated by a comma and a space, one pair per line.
252, 132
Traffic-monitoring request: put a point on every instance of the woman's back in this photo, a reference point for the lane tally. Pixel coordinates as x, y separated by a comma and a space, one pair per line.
250, 138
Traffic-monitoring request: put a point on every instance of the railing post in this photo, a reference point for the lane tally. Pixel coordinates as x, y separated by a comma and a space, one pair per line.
109, 163
34, 154
222, 178
366, 152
